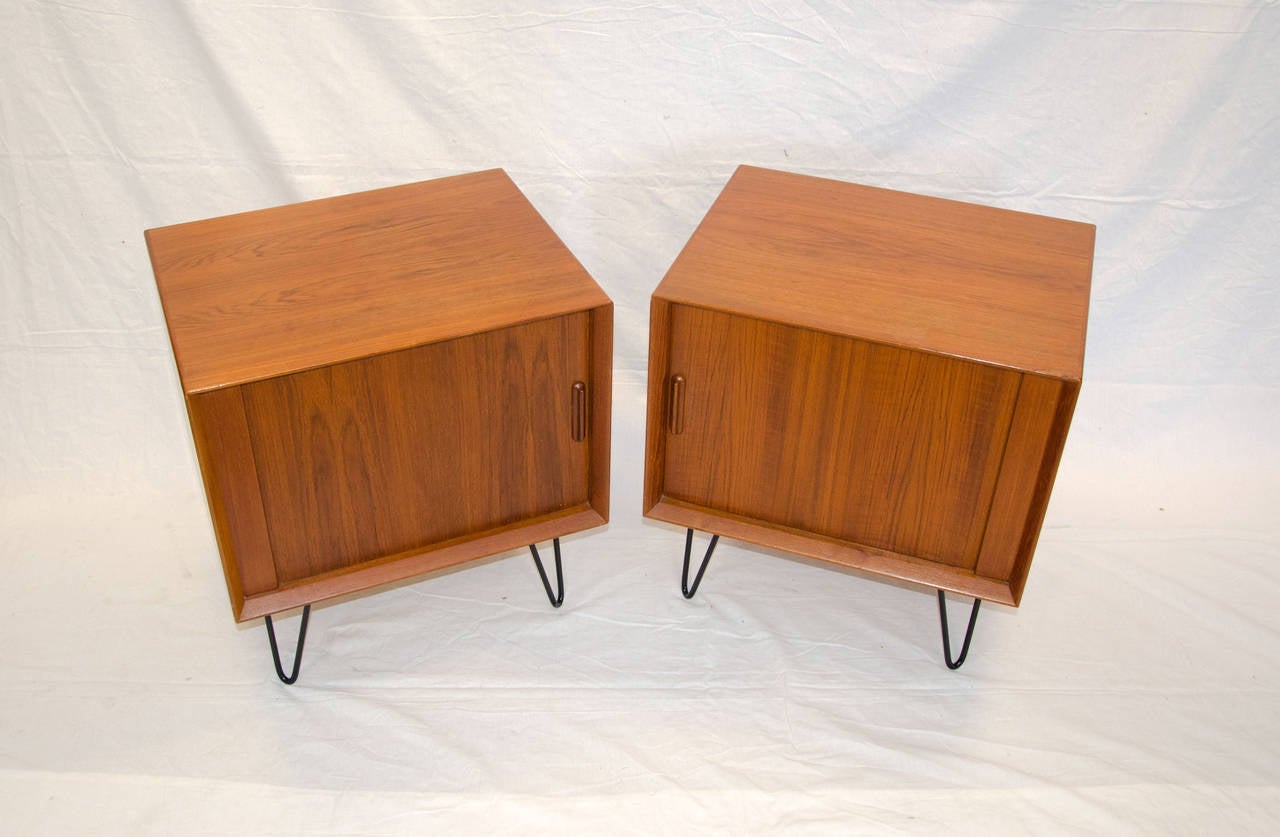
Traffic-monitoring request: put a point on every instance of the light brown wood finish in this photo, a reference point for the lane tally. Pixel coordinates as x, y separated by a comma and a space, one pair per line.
1028, 439
833, 551
332, 280
600, 408
382, 384
230, 482
879, 380
1005, 288
392, 453
657, 406
1048, 471
893, 449
438, 556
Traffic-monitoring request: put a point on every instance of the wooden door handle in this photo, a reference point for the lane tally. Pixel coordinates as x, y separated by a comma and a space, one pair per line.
675, 416
579, 419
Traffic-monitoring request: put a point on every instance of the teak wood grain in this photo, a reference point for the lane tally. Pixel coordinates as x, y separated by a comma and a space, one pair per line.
1005, 288
875, 379
395, 452
893, 449
338, 279
387, 383
225, 452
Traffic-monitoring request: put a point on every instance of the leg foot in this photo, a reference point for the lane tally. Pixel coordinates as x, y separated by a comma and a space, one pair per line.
288, 680
684, 578
946, 634
557, 597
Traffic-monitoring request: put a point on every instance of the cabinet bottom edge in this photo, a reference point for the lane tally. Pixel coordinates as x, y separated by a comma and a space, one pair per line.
378, 572
834, 551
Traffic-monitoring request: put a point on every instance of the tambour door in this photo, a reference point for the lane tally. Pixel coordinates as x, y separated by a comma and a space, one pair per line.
875, 445
393, 453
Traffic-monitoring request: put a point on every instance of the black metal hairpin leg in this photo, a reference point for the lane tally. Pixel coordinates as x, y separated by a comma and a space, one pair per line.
556, 598
684, 578
297, 654
946, 634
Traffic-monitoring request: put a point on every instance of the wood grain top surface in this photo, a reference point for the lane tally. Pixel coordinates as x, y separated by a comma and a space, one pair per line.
276, 291
1006, 288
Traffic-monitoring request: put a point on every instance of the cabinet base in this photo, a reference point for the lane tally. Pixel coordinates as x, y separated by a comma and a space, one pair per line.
833, 551
406, 565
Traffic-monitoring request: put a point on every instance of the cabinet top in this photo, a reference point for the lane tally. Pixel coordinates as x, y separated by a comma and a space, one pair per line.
1002, 287
275, 291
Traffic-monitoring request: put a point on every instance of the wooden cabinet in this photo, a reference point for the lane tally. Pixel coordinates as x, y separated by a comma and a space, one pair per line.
875, 379
386, 383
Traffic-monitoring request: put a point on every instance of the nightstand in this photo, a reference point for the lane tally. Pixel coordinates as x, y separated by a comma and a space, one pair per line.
875, 379
385, 384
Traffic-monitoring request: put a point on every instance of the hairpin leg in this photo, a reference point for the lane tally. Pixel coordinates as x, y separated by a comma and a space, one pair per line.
556, 598
946, 634
684, 578
297, 654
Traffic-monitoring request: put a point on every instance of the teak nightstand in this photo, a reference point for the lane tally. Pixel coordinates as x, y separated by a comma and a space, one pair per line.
385, 384
875, 379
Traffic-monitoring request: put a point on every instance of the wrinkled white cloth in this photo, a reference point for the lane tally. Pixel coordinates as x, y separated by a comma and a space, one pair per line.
1133, 691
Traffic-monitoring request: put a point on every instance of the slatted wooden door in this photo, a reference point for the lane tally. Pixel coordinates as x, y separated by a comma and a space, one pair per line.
382, 456
875, 445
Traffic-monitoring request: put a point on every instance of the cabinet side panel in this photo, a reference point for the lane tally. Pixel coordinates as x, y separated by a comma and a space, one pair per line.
393, 453
655, 446
1017, 497
1044, 484
879, 446
231, 485
600, 398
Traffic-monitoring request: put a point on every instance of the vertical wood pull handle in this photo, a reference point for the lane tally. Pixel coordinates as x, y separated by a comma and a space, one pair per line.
675, 418
579, 421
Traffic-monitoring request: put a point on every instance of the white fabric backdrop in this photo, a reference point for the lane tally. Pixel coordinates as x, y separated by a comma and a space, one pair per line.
1135, 690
